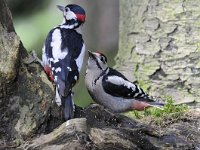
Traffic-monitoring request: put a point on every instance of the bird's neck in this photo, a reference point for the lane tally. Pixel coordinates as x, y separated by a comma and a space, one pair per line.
97, 74
78, 30
70, 24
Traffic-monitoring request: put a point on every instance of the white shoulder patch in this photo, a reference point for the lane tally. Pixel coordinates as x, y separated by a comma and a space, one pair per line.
121, 82
56, 45
79, 60
78, 30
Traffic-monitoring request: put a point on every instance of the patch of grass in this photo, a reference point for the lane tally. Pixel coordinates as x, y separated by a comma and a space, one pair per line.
169, 113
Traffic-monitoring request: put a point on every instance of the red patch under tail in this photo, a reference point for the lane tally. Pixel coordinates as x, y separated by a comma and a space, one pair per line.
47, 69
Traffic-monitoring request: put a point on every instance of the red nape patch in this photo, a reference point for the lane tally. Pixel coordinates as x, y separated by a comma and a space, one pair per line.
47, 69
99, 53
140, 106
80, 17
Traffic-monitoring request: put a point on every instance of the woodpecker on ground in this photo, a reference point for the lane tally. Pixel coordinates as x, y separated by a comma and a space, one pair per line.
110, 88
63, 54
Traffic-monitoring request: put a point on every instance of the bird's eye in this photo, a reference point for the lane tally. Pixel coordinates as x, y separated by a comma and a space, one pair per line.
66, 9
102, 59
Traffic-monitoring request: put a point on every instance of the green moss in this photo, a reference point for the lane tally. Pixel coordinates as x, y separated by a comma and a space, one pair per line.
198, 47
143, 70
18, 142
145, 85
169, 112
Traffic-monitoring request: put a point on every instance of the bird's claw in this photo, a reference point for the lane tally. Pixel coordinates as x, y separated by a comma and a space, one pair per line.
35, 58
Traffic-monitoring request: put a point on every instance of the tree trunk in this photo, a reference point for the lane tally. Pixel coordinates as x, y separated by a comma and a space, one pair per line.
159, 46
26, 94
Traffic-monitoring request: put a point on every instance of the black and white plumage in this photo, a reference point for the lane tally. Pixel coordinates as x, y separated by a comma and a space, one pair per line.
112, 89
63, 54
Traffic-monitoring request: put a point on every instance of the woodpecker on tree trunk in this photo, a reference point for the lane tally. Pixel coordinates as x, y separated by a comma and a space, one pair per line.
112, 89
63, 54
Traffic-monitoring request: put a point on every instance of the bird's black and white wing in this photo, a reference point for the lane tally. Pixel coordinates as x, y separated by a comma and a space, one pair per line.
115, 84
64, 51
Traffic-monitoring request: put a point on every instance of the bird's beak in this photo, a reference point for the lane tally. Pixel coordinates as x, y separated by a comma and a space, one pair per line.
61, 8
91, 55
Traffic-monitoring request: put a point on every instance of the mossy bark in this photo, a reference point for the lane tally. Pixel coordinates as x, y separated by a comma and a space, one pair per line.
102, 130
26, 94
159, 46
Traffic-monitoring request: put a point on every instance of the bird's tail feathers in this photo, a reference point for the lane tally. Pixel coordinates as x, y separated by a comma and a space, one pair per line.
153, 102
156, 104
68, 106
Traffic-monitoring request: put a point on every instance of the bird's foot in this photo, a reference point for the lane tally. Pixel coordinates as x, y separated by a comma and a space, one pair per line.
94, 105
35, 58
32, 58
109, 112
102, 108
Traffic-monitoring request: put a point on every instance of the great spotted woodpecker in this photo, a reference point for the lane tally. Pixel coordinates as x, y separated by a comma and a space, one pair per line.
63, 54
113, 90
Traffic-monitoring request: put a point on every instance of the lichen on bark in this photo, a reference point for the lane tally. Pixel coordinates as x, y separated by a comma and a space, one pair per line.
26, 94
9, 56
159, 45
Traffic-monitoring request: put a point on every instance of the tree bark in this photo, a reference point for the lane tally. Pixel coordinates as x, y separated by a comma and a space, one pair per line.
101, 130
26, 94
159, 46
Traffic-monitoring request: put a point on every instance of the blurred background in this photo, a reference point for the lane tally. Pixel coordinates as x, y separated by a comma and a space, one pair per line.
34, 19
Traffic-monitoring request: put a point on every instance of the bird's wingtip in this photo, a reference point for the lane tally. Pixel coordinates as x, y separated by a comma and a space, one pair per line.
158, 105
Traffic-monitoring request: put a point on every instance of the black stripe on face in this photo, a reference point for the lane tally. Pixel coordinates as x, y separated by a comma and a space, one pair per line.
104, 72
98, 64
95, 59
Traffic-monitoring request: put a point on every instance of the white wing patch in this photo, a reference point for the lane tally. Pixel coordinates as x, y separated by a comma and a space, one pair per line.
75, 78
79, 60
120, 81
56, 46
57, 98
56, 79
44, 57
55, 60
58, 69
69, 68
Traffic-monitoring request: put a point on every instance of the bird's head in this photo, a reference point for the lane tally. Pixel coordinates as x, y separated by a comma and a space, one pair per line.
73, 14
97, 61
